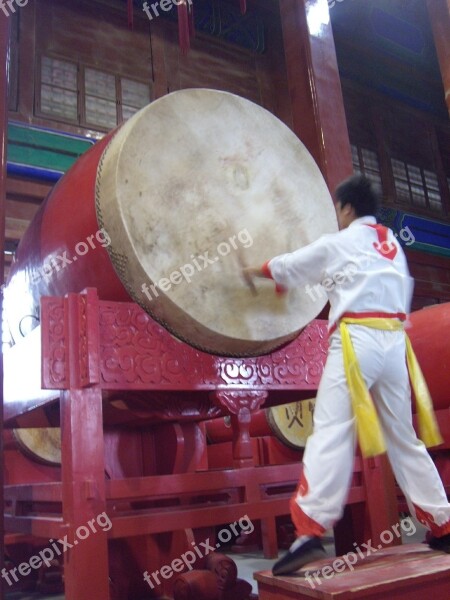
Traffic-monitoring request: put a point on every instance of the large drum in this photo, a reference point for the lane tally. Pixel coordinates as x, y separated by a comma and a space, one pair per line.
168, 209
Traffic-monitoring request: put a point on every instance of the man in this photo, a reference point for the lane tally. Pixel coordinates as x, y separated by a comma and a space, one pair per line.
367, 340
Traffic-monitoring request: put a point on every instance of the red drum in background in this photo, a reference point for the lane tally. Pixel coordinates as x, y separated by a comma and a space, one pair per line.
429, 337
167, 209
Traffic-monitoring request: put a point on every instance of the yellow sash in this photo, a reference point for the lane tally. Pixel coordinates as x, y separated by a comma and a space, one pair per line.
368, 427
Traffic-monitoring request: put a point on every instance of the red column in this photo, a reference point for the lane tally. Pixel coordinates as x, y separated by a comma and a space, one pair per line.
319, 121
4, 43
439, 11
315, 87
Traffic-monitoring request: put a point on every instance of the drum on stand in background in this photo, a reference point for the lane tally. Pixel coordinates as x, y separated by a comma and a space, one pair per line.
167, 209
42, 444
291, 424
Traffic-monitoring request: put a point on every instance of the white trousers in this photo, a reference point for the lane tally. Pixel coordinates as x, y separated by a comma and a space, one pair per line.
329, 455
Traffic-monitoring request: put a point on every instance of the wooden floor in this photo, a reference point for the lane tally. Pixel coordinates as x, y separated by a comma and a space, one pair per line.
409, 572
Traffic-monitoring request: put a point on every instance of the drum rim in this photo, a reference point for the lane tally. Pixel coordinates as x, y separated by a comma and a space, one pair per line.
119, 261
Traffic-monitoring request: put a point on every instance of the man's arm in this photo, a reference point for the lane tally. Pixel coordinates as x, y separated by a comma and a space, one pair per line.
249, 273
306, 265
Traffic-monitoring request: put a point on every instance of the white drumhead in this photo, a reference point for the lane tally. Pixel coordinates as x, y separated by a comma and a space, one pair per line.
194, 186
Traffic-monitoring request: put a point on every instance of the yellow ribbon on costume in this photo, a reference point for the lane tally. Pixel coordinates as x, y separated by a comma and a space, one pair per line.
428, 428
368, 428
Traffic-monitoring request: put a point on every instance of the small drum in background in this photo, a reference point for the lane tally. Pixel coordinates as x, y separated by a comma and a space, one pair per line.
292, 423
42, 444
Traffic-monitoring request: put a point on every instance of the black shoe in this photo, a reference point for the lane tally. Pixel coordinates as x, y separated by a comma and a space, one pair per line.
310, 550
440, 543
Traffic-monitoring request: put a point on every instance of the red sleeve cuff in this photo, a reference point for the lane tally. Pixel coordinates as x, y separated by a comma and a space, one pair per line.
266, 271
280, 289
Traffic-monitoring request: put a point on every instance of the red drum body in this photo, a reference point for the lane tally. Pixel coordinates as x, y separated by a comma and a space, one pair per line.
62, 250
167, 210
428, 334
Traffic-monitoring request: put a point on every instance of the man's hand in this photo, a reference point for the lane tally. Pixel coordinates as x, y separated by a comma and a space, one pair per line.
249, 273
252, 272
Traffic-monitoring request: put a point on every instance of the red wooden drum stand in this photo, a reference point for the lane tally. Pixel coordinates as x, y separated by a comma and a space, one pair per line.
131, 400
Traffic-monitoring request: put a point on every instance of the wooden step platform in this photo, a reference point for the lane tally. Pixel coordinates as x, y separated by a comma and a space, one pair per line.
409, 572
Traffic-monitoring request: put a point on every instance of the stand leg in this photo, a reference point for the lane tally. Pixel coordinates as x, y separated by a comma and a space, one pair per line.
84, 502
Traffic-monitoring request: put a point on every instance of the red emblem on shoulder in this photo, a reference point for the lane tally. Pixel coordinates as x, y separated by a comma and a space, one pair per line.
383, 247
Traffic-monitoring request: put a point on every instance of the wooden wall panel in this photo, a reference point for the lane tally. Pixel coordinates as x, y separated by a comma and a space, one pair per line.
271, 69
93, 34
395, 130
432, 278
97, 34
315, 87
211, 65
23, 199
18, 217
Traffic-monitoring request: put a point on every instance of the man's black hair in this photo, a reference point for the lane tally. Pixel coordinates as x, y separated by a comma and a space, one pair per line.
359, 193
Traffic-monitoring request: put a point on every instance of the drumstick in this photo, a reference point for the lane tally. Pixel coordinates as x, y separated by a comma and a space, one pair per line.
247, 278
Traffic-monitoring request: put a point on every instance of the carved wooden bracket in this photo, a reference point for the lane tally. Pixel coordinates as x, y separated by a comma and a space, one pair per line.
241, 404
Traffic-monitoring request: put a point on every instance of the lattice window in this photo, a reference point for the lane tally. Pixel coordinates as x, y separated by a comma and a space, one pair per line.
135, 95
100, 98
416, 186
88, 96
432, 188
59, 88
366, 162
